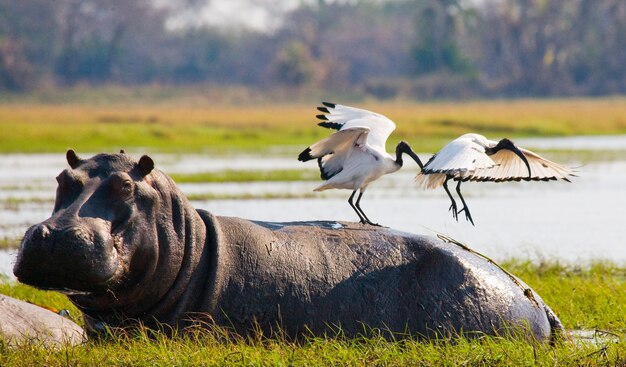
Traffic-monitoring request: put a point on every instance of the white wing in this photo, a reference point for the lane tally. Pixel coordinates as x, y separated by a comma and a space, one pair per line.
459, 159
511, 168
345, 117
333, 150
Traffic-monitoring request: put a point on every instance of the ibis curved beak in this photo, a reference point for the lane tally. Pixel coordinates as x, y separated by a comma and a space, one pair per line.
519, 153
404, 147
415, 158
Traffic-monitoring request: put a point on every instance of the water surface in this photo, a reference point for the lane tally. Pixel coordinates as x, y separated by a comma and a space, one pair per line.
580, 221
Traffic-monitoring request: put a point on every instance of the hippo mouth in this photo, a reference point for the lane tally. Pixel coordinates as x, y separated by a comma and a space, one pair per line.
66, 291
68, 282
71, 260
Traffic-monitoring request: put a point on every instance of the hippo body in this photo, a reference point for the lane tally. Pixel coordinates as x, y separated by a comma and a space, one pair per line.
127, 247
321, 274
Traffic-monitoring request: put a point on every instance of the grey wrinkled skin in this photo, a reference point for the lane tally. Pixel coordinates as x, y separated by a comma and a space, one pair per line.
127, 247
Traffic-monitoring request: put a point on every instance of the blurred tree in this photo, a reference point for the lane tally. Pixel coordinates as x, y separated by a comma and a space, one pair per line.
96, 34
353, 41
202, 49
15, 70
294, 65
596, 57
552, 47
26, 46
386, 47
436, 47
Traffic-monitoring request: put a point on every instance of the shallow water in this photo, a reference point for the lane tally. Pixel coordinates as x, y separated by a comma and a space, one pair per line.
594, 337
6, 262
599, 142
574, 222
578, 221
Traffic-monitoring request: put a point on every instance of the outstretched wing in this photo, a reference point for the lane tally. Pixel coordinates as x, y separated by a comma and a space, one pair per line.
340, 117
509, 167
458, 159
332, 151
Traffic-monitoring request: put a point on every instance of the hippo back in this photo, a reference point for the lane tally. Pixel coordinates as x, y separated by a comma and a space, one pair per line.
323, 277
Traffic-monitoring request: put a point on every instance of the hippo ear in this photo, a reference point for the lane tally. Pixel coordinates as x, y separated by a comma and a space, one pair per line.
145, 165
72, 159
122, 151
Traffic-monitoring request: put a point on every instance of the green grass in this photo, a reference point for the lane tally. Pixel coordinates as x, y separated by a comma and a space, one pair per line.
220, 128
9, 243
49, 299
255, 196
206, 349
590, 297
248, 176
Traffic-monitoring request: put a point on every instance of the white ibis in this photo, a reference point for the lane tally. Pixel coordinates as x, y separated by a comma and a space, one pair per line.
472, 157
355, 155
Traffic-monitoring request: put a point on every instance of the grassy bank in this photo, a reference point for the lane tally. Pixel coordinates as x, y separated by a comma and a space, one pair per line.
221, 128
269, 175
590, 298
205, 349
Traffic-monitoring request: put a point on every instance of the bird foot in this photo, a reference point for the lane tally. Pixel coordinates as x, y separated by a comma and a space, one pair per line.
468, 216
455, 213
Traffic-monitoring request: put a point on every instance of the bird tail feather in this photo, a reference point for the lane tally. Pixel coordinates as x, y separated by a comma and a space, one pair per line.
321, 188
430, 181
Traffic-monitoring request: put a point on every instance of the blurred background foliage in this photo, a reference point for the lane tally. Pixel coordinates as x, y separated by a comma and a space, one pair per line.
384, 49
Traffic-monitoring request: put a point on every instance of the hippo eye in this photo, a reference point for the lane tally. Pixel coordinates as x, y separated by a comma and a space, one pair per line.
127, 186
122, 186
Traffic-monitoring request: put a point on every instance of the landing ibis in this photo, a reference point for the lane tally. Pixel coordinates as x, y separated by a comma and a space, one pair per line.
472, 157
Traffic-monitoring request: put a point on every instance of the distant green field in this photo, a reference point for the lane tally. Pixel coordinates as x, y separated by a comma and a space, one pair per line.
248, 176
590, 298
171, 126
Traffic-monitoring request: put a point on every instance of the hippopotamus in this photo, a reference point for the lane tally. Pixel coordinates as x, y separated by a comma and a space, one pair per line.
128, 248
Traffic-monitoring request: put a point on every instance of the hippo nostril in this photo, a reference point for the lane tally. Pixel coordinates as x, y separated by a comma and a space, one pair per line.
41, 232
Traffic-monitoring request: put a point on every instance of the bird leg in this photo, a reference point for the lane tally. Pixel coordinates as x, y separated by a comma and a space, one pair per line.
453, 205
367, 220
362, 220
465, 209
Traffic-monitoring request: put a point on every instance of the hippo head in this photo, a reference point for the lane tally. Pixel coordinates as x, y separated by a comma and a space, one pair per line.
88, 242
120, 237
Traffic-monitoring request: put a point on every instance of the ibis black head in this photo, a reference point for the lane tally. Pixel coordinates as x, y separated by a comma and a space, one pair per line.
509, 145
404, 147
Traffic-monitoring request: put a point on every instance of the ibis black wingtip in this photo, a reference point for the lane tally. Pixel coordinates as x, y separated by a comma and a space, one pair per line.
330, 125
322, 117
329, 104
305, 155
323, 174
323, 109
